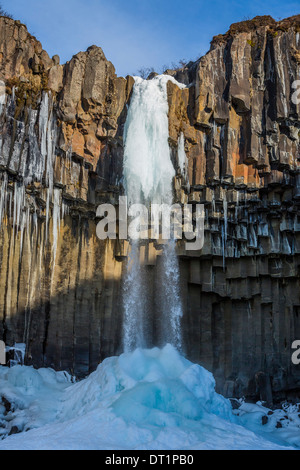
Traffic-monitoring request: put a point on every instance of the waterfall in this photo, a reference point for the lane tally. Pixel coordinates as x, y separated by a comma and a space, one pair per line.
135, 302
148, 178
148, 170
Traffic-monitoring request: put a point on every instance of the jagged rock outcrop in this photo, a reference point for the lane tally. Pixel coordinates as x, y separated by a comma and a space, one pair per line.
61, 155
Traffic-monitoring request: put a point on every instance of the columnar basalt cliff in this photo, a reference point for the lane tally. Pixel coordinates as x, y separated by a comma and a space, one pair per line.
61, 154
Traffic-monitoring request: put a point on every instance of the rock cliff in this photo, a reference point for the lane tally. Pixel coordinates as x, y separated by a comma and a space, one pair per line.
61, 154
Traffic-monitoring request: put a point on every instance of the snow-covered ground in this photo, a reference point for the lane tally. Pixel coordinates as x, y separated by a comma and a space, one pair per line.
148, 399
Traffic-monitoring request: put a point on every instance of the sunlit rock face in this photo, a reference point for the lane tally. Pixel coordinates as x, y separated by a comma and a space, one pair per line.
62, 129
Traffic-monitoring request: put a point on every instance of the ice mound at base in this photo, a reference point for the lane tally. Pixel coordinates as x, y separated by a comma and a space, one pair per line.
29, 397
148, 399
156, 386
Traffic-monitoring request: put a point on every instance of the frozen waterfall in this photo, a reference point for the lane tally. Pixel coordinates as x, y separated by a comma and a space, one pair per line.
148, 178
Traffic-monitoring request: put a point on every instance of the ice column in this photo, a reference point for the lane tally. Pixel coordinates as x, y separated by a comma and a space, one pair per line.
148, 178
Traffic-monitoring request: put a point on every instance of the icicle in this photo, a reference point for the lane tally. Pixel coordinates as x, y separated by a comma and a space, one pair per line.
64, 210
23, 223
9, 204
3, 197
2, 96
55, 222
35, 222
43, 125
19, 202
47, 214
183, 161
181, 155
225, 207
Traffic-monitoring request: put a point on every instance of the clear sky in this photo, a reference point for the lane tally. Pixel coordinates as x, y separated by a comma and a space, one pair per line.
137, 33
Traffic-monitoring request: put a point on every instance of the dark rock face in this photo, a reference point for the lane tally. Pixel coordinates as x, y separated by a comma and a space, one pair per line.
61, 155
241, 130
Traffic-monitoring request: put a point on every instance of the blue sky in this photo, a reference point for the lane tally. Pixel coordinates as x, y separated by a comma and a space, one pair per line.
137, 33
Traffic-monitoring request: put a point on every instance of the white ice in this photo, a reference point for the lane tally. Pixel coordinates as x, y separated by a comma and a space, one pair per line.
148, 399
148, 170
